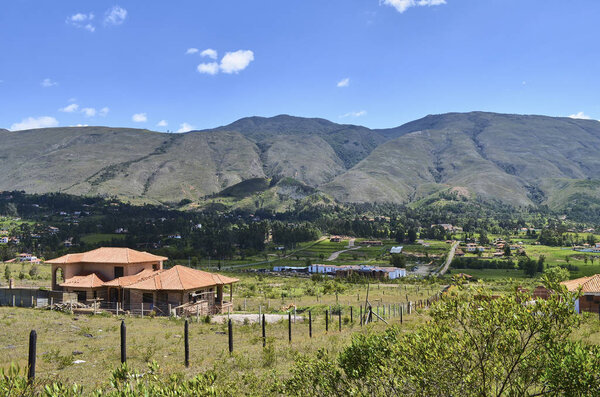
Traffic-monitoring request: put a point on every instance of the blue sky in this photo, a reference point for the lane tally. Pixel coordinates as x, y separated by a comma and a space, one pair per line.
377, 63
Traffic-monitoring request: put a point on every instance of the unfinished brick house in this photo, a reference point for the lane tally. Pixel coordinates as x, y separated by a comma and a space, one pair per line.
590, 289
136, 281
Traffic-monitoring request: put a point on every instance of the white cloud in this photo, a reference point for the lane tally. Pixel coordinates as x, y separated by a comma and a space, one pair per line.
234, 62
403, 5
210, 53
209, 68
104, 111
354, 114
344, 82
115, 16
88, 112
80, 125
162, 123
191, 51
580, 115
69, 108
48, 83
185, 127
82, 21
35, 122
139, 118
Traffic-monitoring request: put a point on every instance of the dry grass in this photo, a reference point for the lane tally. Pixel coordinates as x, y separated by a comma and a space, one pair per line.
161, 339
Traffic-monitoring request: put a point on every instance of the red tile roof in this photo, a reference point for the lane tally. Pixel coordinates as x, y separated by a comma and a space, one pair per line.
589, 284
128, 280
109, 255
180, 278
87, 281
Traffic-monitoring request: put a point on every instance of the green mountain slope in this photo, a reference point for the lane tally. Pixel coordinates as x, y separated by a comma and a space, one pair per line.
351, 143
510, 158
128, 163
515, 159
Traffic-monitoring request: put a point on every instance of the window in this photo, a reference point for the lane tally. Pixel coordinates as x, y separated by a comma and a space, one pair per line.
81, 296
589, 298
155, 267
148, 298
118, 271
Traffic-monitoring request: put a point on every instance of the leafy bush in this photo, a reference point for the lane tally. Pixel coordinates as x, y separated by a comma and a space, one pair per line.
476, 344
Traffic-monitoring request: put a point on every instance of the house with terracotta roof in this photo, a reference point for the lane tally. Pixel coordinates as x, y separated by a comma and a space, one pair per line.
137, 281
590, 290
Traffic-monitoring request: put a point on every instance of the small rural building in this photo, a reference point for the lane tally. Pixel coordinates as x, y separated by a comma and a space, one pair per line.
390, 273
137, 280
590, 289
541, 292
370, 242
335, 239
396, 250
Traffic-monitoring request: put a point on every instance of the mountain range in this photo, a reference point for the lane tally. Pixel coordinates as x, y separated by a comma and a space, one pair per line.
519, 160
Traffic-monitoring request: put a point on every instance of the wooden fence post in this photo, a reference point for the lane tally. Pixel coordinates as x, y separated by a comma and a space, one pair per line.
264, 333
230, 332
309, 324
32, 354
351, 316
361, 316
340, 320
123, 342
401, 313
186, 343
290, 326
326, 320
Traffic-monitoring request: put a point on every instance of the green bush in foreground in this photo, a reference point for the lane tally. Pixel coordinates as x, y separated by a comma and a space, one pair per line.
475, 345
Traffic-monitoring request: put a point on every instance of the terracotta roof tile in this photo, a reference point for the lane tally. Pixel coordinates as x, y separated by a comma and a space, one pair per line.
108, 255
85, 281
128, 280
181, 278
589, 284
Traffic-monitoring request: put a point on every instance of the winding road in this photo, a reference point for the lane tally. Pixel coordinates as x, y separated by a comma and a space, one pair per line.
351, 247
444, 269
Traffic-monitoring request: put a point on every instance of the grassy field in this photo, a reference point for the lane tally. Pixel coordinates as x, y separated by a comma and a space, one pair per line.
42, 274
63, 338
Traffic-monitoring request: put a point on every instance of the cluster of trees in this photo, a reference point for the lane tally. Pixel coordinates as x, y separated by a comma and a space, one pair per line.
218, 233
289, 235
477, 263
530, 266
